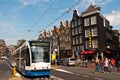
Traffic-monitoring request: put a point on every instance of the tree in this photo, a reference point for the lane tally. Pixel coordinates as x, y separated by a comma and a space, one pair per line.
19, 43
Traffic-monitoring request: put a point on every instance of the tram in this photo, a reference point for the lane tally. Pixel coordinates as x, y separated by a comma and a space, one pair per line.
33, 58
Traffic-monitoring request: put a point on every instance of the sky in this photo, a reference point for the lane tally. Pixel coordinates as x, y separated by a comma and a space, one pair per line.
25, 19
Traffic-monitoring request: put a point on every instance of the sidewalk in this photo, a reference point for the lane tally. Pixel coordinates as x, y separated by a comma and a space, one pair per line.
15, 78
92, 66
90, 71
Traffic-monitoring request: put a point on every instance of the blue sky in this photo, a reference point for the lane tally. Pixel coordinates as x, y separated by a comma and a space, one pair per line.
24, 19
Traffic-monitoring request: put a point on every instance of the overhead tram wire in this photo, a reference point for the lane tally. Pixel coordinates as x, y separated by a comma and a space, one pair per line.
41, 16
100, 2
69, 9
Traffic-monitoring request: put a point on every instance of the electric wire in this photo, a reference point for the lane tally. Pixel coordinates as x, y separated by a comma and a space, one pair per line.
33, 25
69, 9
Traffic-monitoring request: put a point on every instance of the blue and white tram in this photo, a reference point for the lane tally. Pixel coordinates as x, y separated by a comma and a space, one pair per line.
33, 58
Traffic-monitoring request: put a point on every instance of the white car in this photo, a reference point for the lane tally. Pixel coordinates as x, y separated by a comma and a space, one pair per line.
69, 61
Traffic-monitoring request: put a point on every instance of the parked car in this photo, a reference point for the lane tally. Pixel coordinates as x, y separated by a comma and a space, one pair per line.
69, 61
60, 62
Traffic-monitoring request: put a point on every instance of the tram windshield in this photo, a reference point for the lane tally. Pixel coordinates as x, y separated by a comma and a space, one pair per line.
40, 54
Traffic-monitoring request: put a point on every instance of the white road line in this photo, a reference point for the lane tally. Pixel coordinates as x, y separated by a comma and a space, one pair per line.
56, 78
64, 71
77, 74
8, 65
98, 79
84, 75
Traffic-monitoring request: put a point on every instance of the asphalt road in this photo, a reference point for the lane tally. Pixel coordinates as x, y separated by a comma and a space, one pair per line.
63, 73
68, 75
5, 71
77, 73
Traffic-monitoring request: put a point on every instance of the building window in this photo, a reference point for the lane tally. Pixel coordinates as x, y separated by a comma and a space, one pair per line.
72, 24
73, 41
73, 32
94, 31
79, 21
93, 20
80, 29
80, 39
94, 43
76, 30
75, 23
87, 44
74, 48
77, 39
86, 22
78, 48
87, 32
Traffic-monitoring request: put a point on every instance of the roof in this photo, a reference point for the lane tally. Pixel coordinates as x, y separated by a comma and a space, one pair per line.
91, 8
56, 30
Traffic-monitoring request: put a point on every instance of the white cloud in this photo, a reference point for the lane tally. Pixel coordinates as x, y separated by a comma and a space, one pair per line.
114, 18
86, 3
31, 2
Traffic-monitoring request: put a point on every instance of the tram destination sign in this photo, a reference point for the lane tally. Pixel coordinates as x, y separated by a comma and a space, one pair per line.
40, 43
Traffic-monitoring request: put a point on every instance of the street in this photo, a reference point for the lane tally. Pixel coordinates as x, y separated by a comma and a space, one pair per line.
5, 71
62, 73
78, 73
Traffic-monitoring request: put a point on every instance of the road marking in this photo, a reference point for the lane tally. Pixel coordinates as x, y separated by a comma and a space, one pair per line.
77, 74
98, 79
8, 65
84, 75
64, 71
55, 78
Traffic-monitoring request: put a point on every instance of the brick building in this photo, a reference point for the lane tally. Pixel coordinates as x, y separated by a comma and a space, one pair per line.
92, 35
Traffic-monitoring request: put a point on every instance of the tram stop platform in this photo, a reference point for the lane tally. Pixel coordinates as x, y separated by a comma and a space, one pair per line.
15, 78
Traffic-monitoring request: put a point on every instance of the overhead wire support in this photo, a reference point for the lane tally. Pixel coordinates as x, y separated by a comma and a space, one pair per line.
67, 11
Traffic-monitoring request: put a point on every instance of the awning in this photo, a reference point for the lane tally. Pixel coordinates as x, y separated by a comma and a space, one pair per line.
108, 52
88, 52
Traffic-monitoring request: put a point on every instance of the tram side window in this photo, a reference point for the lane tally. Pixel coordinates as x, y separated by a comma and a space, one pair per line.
27, 57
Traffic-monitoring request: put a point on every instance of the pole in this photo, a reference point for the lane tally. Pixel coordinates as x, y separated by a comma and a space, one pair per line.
14, 71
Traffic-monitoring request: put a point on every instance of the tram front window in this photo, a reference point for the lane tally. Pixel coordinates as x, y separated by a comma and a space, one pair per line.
40, 54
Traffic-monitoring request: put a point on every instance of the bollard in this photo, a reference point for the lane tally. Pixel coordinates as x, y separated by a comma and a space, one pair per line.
14, 71
56, 65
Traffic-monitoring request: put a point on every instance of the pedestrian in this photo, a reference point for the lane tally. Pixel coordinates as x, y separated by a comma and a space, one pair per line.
100, 65
118, 64
96, 65
112, 64
86, 63
106, 64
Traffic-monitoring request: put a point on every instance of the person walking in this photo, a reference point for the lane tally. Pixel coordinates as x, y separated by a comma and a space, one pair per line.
96, 65
112, 64
118, 63
100, 65
106, 64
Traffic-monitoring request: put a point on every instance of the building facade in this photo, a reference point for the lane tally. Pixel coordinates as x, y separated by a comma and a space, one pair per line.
88, 35
3, 48
92, 35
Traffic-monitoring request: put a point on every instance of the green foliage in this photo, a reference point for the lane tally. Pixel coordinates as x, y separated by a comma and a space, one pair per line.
19, 43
